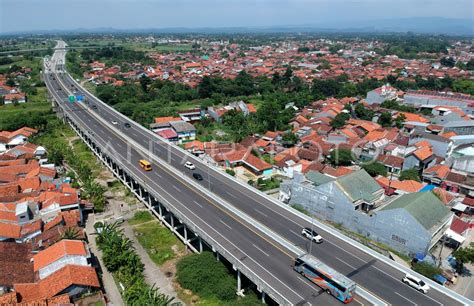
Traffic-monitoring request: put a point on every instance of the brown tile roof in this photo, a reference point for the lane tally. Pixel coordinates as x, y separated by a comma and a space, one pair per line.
15, 263
308, 154
390, 160
455, 177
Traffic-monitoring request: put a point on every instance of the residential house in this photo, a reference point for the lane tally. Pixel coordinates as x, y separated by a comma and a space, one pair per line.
63, 253
420, 158
381, 94
244, 157
239, 106
184, 130
73, 280
18, 97
174, 129
439, 144
393, 164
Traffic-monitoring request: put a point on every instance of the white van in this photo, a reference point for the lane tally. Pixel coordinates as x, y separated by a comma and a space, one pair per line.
416, 283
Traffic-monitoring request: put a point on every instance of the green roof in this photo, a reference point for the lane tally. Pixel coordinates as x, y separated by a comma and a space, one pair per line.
359, 185
317, 178
425, 207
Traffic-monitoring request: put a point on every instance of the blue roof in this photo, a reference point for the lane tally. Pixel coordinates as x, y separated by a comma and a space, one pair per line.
427, 188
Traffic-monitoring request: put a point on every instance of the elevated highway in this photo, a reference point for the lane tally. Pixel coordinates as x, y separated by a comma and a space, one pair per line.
263, 233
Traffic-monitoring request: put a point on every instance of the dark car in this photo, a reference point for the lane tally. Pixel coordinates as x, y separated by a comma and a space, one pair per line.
197, 176
127, 125
94, 106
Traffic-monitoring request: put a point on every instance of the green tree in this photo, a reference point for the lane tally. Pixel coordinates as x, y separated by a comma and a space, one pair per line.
464, 86
71, 233
464, 255
470, 64
340, 120
385, 119
426, 269
289, 139
410, 174
145, 81
447, 61
375, 169
400, 120
10, 82
363, 113
341, 157
55, 155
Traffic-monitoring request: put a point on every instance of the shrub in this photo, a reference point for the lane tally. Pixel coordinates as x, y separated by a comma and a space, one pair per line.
410, 174
375, 169
205, 276
230, 172
426, 269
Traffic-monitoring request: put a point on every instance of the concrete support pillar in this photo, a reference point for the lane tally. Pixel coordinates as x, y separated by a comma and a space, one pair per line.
185, 234
172, 222
200, 244
140, 191
217, 256
240, 291
160, 210
263, 297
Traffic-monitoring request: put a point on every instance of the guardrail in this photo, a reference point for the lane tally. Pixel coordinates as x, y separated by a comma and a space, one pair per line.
302, 216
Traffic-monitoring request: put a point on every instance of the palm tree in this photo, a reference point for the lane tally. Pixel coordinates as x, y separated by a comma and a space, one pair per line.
71, 233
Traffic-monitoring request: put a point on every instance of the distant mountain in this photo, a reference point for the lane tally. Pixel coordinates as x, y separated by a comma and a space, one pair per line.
423, 25
427, 25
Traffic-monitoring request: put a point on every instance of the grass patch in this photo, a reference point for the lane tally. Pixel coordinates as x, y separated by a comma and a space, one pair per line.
86, 156
300, 208
158, 242
140, 217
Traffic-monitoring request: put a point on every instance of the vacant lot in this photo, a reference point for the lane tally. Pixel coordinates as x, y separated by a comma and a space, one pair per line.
160, 244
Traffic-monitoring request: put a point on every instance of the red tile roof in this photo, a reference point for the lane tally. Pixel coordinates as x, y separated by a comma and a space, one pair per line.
439, 171
58, 282
459, 226
167, 119
10, 230
57, 251
167, 133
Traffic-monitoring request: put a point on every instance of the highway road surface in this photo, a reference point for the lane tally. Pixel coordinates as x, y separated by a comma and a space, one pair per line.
375, 276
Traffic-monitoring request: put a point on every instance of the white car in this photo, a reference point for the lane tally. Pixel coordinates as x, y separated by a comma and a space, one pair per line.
190, 165
114, 122
416, 283
311, 235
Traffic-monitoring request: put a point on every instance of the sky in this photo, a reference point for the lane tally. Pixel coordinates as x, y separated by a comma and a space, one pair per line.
35, 15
